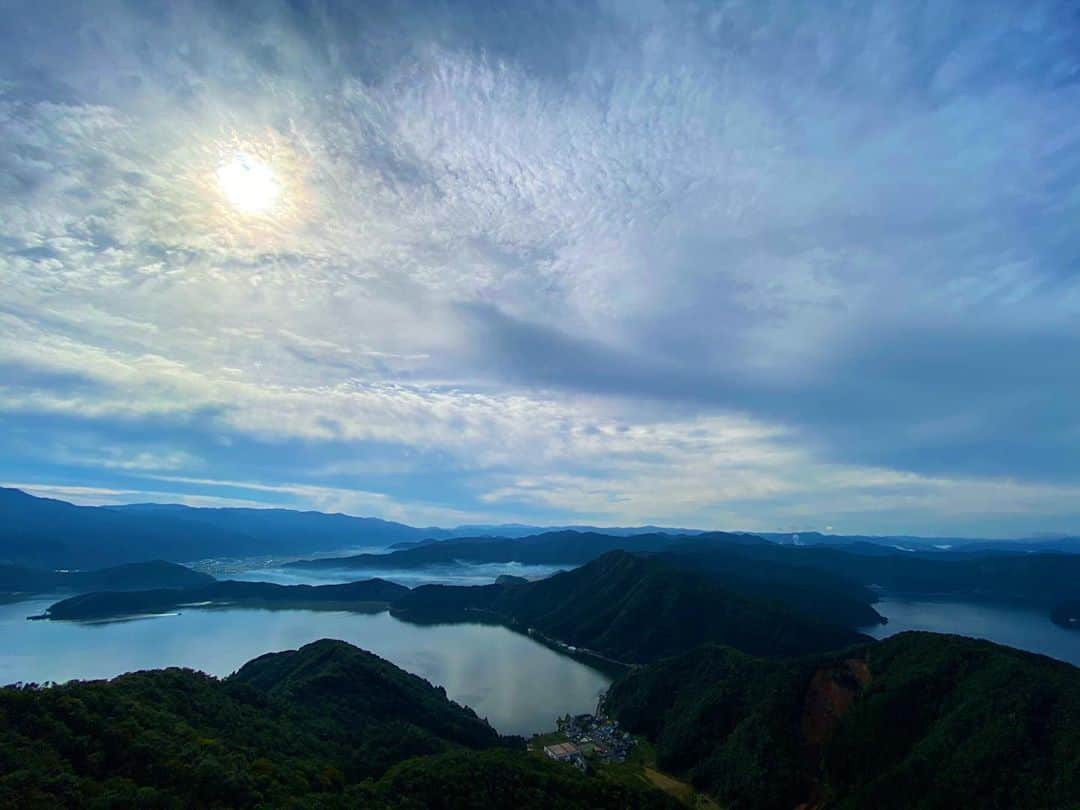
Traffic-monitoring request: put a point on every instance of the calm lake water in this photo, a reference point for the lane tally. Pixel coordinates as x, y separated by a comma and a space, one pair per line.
520, 686
1024, 628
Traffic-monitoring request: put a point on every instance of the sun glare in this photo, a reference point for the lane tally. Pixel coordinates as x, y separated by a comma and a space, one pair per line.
248, 184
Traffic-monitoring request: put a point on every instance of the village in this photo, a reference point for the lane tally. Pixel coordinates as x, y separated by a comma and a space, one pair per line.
582, 739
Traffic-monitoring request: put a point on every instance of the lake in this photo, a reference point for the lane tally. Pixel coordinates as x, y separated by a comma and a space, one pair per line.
1025, 628
519, 685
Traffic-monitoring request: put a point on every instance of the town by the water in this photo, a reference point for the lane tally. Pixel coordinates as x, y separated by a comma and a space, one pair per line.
581, 739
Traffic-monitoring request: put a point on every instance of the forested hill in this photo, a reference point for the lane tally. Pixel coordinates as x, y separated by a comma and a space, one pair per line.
1043, 579
133, 576
824, 594
635, 609
114, 604
327, 726
342, 689
827, 583
919, 721
626, 607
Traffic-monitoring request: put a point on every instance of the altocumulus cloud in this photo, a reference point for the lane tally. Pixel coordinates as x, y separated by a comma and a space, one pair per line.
745, 265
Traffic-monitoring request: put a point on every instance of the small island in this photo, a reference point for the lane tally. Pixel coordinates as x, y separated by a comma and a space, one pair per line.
370, 594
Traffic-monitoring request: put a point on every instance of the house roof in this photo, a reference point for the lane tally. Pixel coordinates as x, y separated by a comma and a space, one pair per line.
561, 750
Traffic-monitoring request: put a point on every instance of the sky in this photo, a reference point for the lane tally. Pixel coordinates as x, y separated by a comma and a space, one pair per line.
735, 265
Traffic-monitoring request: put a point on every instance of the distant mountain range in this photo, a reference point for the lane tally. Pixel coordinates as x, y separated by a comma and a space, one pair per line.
525, 529
833, 583
828, 585
867, 543
563, 547
48, 534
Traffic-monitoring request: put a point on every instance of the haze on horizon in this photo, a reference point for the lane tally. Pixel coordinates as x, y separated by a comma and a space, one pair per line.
738, 265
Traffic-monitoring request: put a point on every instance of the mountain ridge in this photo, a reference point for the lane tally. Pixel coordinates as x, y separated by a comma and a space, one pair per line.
371, 593
633, 609
20, 581
918, 720
49, 533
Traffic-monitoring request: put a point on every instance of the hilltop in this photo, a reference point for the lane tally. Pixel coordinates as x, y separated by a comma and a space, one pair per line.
113, 604
633, 609
17, 580
328, 725
919, 720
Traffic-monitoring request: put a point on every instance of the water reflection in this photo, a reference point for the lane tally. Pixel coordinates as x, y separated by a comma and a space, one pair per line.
519, 685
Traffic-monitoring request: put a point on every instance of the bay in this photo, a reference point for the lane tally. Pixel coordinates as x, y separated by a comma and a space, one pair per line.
518, 684
1025, 628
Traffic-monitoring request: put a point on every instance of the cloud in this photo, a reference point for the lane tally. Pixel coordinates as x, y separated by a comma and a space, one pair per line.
549, 261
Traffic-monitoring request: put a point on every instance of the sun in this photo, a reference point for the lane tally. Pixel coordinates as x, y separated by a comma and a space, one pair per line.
248, 184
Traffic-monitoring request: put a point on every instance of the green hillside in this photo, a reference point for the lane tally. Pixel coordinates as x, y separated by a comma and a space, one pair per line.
822, 594
635, 609
328, 725
111, 604
919, 720
1038, 579
19, 581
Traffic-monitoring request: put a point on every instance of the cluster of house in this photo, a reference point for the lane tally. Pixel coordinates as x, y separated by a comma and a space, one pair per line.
590, 737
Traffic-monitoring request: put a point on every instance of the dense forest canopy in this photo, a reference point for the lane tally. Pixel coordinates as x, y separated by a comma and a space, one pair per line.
635, 609
328, 725
920, 720
106, 604
17, 580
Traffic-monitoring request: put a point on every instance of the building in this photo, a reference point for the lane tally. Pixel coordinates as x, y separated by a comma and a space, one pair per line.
562, 752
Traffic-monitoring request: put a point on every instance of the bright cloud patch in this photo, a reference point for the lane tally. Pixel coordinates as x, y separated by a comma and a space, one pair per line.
248, 184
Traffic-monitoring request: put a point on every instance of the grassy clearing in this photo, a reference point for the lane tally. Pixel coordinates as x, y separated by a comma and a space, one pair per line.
640, 769
682, 791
